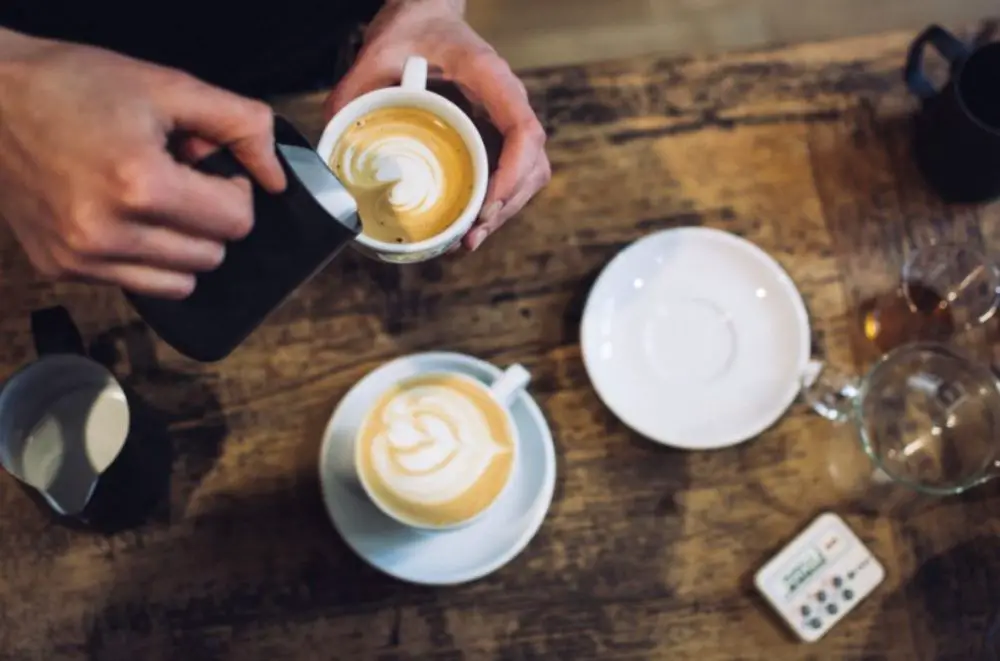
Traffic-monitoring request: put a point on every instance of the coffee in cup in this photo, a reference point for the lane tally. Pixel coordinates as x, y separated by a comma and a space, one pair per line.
415, 163
437, 450
410, 172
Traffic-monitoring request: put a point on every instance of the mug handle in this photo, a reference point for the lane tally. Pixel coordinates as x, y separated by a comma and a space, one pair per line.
53, 331
828, 392
945, 43
509, 384
414, 74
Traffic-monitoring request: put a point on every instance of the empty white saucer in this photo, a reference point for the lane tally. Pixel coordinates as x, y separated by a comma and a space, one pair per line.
437, 558
695, 338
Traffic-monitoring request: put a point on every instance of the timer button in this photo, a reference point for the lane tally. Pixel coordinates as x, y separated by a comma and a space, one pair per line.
832, 544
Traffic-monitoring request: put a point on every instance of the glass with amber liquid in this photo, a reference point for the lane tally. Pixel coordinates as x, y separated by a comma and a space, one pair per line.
945, 288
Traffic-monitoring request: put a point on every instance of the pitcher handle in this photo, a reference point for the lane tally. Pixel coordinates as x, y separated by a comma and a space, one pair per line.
829, 392
950, 48
222, 163
53, 331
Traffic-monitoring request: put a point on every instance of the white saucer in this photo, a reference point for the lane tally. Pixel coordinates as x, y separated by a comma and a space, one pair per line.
437, 558
695, 338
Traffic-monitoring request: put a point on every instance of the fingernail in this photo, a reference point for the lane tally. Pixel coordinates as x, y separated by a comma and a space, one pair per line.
477, 238
490, 211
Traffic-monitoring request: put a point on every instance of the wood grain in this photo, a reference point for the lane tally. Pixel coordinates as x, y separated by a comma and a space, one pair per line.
565, 32
647, 553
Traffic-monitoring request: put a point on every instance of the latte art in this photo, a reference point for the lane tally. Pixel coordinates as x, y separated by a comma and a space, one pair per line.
435, 445
405, 171
410, 172
436, 450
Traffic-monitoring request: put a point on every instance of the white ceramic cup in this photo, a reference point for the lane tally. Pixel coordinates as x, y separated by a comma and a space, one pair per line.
503, 391
413, 93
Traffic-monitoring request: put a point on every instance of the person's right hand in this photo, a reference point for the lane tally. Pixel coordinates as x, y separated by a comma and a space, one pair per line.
88, 183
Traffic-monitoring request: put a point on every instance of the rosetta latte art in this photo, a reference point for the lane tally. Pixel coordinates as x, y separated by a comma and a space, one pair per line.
410, 172
435, 445
406, 170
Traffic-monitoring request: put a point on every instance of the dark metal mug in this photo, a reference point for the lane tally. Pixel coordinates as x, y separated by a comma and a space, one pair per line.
957, 132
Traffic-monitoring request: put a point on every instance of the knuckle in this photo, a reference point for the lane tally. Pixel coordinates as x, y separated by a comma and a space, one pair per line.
545, 172
87, 237
482, 58
62, 264
259, 117
485, 55
243, 228
536, 134
49, 269
133, 184
170, 80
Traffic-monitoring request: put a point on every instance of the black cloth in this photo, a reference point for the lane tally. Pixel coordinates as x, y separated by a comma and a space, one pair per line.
254, 47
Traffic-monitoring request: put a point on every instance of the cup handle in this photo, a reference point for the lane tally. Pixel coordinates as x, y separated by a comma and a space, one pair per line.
510, 384
944, 43
53, 331
828, 392
415, 74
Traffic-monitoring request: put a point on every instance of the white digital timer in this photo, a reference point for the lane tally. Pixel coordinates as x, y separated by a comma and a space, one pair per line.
819, 577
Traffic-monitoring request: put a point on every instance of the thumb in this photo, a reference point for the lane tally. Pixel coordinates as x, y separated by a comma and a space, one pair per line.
369, 73
243, 125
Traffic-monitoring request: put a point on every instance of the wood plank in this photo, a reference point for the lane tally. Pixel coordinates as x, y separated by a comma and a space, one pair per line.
561, 32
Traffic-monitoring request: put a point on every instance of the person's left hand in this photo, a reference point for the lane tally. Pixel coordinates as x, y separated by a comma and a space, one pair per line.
436, 30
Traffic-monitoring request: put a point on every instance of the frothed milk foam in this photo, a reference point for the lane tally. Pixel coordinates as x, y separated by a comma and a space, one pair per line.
435, 450
410, 172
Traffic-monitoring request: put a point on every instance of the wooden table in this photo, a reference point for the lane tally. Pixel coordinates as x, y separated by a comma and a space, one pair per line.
647, 553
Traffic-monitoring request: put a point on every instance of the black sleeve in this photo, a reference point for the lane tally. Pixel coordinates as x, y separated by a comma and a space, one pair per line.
261, 50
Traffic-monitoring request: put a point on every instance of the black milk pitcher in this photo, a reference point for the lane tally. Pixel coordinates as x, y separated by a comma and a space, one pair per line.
295, 234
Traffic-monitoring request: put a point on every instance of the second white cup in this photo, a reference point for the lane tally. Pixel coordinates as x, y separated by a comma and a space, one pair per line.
502, 393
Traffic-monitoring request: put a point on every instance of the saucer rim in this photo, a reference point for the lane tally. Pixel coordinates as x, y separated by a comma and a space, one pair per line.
533, 517
788, 286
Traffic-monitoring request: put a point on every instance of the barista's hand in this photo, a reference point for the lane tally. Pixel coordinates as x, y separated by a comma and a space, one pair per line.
436, 30
87, 182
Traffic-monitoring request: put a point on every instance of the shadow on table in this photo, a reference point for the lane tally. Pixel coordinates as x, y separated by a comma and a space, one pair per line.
252, 566
267, 563
186, 424
951, 602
